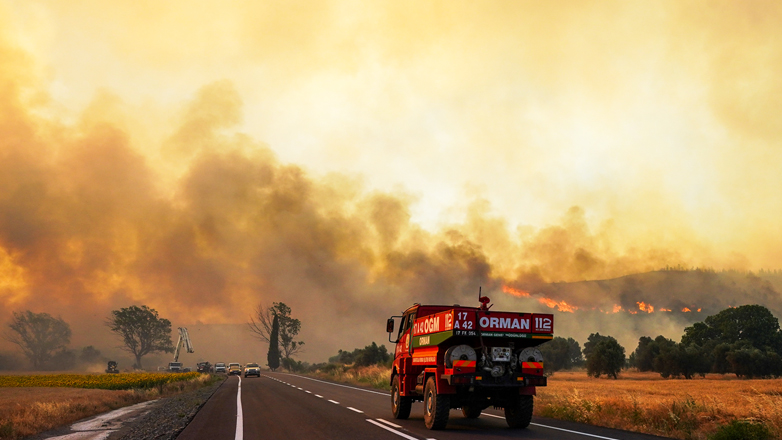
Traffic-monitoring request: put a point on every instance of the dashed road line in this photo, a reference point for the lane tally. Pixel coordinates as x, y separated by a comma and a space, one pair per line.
560, 429
334, 402
387, 428
355, 410
389, 423
319, 396
340, 385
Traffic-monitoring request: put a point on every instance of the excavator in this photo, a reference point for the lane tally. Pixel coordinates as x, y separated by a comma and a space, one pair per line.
184, 339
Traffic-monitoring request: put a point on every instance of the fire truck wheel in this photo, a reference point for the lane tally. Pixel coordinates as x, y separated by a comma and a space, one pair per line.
518, 412
400, 405
436, 406
471, 411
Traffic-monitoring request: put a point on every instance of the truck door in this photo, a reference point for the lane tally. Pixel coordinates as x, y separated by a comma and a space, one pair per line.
403, 345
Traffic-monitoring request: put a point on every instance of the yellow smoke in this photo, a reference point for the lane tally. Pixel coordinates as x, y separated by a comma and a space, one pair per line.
349, 158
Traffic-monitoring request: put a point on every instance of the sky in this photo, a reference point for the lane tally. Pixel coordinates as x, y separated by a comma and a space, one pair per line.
350, 158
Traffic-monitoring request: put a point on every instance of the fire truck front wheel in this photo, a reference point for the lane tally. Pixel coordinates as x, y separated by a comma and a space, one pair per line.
436, 406
400, 405
518, 412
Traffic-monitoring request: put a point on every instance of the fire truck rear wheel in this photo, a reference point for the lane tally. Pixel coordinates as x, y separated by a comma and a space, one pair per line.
400, 405
518, 411
437, 407
471, 411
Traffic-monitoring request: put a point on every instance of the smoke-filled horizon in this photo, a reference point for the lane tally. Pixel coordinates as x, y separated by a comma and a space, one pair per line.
350, 159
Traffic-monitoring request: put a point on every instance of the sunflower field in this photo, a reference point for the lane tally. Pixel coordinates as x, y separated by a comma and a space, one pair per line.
121, 381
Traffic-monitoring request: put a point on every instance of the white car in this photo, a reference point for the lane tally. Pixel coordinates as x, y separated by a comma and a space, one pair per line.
220, 367
252, 370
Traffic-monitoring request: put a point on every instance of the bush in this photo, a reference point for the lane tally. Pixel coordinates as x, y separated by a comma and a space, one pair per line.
742, 430
603, 355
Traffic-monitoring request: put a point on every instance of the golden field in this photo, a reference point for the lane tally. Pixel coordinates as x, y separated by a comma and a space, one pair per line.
641, 402
120, 381
30, 404
645, 402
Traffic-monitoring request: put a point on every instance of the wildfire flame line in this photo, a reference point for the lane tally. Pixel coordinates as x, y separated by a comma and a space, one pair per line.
563, 306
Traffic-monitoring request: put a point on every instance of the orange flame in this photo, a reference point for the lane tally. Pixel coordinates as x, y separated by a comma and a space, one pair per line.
699, 310
562, 306
665, 310
633, 312
617, 308
515, 292
648, 308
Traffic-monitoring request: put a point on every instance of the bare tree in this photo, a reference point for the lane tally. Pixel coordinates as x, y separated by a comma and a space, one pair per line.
263, 322
39, 335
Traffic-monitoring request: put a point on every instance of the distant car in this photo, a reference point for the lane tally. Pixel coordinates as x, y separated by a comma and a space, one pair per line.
220, 367
252, 370
234, 368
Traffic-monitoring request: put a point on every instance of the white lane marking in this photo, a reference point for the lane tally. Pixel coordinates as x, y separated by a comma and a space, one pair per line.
334, 402
560, 429
308, 391
340, 385
239, 417
356, 410
299, 388
389, 423
318, 395
401, 434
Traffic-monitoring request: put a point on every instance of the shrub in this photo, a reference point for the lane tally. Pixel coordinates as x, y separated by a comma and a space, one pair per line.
742, 430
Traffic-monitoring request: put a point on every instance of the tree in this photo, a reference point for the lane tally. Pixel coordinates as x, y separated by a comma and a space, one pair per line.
39, 335
273, 357
560, 354
261, 326
603, 355
750, 323
142, 331
372, 355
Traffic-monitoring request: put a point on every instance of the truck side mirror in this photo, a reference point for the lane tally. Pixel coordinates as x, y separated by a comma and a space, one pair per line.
390, 325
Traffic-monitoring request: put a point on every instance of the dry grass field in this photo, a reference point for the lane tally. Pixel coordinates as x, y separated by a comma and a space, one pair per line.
645, 402
29, 410
641, 402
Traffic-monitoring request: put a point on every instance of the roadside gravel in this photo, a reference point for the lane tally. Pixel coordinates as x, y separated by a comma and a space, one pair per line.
167, 417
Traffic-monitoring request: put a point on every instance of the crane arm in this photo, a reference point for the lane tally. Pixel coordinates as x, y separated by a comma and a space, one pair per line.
184, 339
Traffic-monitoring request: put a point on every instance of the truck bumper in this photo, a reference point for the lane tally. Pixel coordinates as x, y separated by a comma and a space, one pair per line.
487, 381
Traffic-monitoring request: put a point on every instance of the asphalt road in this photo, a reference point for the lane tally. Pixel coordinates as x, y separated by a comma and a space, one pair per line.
285, 406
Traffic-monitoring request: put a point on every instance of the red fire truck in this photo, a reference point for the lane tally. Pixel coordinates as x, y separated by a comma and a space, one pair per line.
467, 357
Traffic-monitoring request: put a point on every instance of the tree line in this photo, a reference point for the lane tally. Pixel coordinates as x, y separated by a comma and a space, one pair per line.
745, 341
44, 339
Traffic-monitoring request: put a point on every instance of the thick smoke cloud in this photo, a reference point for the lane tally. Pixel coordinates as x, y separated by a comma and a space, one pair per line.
622, 148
